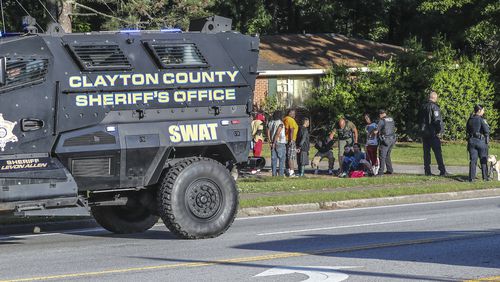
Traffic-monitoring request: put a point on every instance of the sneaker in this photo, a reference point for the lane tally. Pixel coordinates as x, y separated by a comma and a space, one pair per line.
444, 174
376, 169
330, 171
291, 173
343, 175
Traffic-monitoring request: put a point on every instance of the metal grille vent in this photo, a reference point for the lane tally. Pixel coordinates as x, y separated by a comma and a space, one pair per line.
172, 55
25, 72
96, 138
99, 56
99, 167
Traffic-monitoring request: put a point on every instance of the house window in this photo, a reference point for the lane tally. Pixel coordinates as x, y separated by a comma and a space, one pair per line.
293, 91
284, 92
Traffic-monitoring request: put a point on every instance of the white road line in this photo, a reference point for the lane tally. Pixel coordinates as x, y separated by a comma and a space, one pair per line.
91, 230
76, 231
366, 208
340, 227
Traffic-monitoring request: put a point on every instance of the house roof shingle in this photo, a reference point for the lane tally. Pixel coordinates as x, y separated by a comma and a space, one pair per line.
319, 51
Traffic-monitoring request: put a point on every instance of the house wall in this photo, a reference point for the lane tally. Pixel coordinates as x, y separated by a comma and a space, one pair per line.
261, 90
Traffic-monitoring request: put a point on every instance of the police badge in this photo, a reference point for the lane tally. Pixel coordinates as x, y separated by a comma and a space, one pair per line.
6, 134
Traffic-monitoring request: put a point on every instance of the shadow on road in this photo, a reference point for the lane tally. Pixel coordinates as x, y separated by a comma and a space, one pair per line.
463, 248
148, 235
460, 248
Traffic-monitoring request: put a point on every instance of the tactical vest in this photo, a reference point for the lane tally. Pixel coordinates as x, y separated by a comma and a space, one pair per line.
345, 133
389, 127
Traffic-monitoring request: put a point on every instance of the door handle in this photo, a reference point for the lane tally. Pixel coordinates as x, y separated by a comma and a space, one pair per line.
31, 124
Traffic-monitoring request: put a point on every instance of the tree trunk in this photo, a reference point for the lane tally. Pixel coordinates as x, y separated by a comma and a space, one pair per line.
64, 16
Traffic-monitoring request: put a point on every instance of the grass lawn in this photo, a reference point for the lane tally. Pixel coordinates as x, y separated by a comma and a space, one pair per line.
301, 198
454, 153
281, 184
281, 191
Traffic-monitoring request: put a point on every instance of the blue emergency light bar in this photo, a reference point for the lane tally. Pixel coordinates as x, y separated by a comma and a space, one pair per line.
171, 30
130, 31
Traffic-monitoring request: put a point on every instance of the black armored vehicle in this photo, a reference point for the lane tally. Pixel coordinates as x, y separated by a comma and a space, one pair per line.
132, 125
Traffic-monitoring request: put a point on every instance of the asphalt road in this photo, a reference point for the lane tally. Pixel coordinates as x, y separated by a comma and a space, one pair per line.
446, 241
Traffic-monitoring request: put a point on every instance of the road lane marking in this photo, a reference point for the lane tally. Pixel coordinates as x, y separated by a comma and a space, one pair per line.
69, 232
367, 208
341, 227
493, 278
314, 273
98, 229
233, 261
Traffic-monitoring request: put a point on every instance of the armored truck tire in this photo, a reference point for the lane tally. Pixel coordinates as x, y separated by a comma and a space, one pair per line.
197, 198
123, 219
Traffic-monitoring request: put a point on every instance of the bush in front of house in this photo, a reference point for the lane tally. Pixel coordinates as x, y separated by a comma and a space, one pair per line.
460, 88
401, 85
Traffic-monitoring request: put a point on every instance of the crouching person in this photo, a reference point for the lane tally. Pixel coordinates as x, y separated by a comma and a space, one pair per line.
303, 145
355, 161
324, 146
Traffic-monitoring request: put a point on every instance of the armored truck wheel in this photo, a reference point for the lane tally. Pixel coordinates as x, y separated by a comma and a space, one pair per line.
198, 198
124, 220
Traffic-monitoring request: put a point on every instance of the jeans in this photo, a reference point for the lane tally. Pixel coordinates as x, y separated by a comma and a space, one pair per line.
278, 153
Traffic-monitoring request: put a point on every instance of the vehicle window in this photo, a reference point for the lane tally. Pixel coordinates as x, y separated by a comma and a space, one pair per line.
176, 55
97, 56
24, 72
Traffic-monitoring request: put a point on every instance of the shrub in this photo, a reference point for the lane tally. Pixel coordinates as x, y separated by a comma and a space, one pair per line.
461, 87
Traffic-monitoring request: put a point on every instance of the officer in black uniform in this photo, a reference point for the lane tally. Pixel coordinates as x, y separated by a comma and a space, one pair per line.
478, 134
386, 130
431, 125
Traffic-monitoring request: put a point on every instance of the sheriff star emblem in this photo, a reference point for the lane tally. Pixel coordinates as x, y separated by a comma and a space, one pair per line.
6, 134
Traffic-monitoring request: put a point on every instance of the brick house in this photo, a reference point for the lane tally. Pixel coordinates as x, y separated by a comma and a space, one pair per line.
291, 65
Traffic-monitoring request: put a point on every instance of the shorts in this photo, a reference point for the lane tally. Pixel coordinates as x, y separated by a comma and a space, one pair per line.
291, 151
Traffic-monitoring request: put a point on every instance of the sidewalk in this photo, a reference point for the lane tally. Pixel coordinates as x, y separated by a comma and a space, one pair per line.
398, 168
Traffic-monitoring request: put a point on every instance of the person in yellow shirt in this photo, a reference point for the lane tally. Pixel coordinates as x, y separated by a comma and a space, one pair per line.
291, 130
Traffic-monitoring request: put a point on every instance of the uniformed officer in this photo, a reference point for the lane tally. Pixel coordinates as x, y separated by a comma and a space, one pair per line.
431, 125
386, 131
478, 134
346, 134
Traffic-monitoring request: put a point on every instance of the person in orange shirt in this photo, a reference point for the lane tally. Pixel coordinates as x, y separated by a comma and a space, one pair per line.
291, 130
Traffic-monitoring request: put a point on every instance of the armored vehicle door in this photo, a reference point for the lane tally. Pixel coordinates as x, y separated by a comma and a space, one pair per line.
27, 122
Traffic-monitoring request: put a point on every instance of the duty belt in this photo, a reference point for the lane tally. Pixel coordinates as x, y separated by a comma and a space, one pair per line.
477, 135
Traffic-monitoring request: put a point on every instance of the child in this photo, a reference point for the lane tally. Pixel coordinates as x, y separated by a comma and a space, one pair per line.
347, 159
303, 146
360, 162
258, 134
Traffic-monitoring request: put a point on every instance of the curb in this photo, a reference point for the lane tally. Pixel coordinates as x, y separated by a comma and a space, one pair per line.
362, 203
271, 210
